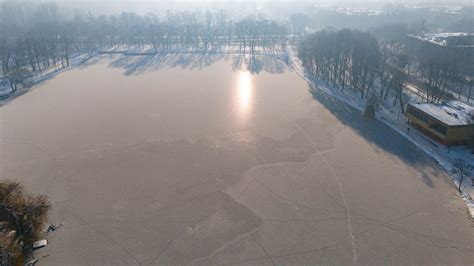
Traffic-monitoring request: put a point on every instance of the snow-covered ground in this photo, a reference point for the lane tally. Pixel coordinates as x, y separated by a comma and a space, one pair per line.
38, 77
392, 116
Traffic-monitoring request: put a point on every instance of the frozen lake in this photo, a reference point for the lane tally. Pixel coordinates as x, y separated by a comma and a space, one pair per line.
194, 159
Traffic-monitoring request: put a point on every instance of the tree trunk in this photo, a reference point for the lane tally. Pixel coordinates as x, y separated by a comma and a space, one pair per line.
469, 94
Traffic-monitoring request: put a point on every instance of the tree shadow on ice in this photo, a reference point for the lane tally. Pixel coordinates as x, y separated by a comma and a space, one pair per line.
380, 135
255, 64
137, 64
87, 62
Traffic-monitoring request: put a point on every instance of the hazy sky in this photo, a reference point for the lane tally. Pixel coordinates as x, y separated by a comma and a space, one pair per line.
157, 6
242, 1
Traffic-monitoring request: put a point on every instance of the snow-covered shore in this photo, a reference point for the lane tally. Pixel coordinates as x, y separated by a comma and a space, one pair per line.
392, 117
38, 77
77, 59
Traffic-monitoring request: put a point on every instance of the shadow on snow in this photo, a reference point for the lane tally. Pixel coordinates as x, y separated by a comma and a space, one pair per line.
380, 135
254, 63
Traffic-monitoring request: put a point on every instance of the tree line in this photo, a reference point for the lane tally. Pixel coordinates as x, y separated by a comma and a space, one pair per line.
443, 71
355, 59
43, 38
374, 67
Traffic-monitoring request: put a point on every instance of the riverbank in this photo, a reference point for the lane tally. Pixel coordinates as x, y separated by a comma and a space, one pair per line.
38, 77
391, 116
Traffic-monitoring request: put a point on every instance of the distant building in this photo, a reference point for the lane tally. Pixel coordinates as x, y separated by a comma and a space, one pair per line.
448, 39
450, 122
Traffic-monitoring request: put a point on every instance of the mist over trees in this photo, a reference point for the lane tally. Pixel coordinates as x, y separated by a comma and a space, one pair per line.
378, 58
441, 69
344, 57
384, 61
35, 38
355, 59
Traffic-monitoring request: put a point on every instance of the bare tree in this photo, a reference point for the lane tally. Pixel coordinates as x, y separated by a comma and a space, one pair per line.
17, 77
344, 57
397, 84
461, 169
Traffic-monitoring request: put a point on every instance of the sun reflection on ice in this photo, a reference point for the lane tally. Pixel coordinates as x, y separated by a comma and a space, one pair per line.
244, 93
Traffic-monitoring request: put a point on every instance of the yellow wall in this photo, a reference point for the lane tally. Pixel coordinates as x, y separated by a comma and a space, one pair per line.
425, 126
459, 133
452, 134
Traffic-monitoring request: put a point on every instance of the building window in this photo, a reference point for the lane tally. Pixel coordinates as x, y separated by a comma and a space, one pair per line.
420, 115
439, 128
